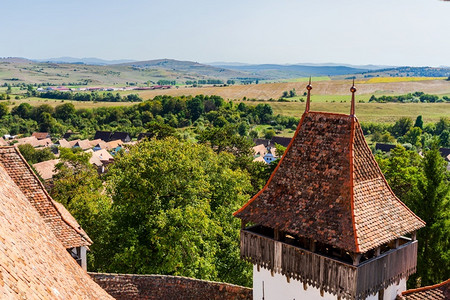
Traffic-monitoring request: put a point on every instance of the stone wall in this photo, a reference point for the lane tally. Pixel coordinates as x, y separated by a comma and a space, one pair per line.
140, 287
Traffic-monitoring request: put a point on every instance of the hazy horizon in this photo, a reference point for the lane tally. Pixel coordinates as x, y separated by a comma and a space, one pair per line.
391, 33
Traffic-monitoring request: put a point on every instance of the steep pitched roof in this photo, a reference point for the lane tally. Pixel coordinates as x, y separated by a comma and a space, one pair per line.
281, 140
328, 187
83, 144
46, 169
33, 263
19, 170
103, 135
64, 143
439, 291
123, 136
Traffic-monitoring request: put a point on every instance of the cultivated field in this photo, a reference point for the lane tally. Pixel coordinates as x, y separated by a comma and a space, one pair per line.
266, 91
329, 95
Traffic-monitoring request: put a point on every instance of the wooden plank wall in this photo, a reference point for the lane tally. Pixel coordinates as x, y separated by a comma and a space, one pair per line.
338, 278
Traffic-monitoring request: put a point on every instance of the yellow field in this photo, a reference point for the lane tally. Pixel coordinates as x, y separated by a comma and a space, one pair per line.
401, 79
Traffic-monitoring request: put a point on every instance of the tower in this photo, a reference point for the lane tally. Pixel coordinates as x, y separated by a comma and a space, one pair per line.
327, 225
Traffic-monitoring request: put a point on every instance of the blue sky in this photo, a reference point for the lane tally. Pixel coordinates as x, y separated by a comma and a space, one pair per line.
390, 32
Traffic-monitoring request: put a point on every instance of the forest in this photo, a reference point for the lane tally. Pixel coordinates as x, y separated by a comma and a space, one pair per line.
165, 206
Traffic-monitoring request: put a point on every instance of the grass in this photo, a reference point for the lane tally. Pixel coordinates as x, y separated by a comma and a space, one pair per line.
369, 112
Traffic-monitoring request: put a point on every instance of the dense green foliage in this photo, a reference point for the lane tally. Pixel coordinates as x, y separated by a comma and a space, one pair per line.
411, 97
90, 96
171, 210
177, 112
33, 155
423, 185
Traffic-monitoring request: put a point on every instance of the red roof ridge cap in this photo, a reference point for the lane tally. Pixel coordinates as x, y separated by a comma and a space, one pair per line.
330, 113
276, 168
352, 180
84, 236
425, 288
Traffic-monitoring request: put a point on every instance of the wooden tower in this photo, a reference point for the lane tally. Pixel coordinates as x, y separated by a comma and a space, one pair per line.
327, 225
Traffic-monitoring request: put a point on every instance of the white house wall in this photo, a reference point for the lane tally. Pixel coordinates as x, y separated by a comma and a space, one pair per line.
276, 287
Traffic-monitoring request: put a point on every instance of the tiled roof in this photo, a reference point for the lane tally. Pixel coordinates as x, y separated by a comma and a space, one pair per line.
41, 135
46, 169
64, 143
18, 169
436, 292
384, 147
3, 142
281, 140
83, 144
328, 187
33, 263
103, 135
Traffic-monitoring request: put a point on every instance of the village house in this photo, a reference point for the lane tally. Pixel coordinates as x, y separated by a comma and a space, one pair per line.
326, 225
108, 136
46, 169
41, 135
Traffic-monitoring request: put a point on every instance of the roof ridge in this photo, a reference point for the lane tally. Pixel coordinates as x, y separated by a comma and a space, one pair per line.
83, 235
352, 180
426, 288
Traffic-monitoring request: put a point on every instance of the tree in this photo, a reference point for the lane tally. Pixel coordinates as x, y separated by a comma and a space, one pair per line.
3, 110
402, 126
431, 204
78, 187
269, 134
171, 212
65, 111
33, 156
402, 170
419, 122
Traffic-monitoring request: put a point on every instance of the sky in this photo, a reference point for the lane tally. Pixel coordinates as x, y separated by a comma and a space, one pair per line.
380, 32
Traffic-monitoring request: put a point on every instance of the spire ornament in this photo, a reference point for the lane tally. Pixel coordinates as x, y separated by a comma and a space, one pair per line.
353, 90
308, 98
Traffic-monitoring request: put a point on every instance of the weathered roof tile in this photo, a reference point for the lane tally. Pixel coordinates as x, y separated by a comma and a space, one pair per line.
328, 187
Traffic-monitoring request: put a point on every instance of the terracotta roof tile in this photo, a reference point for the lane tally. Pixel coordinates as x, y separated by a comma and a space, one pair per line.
33, 263
46, 169
27, 181
41, 135
436, 292
328, 187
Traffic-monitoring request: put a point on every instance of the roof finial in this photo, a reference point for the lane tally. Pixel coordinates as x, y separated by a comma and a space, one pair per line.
308, 98
353, 90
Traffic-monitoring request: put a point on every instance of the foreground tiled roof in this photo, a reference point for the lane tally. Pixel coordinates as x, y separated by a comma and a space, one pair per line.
33, 263
328, 187
436, 292
18, 169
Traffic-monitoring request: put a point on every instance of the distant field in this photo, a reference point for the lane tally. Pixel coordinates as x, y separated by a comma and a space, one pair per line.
266, 91
330, 95
370, 112
401, 79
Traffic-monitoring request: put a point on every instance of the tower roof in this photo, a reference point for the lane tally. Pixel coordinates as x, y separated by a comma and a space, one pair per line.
328, 187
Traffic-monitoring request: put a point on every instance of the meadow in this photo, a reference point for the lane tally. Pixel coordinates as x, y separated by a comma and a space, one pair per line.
327, 95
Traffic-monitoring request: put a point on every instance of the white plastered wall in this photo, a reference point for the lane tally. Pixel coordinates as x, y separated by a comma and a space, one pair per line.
277, 287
